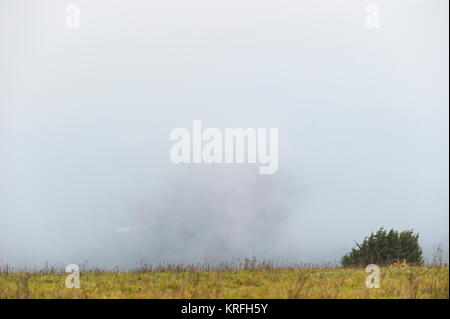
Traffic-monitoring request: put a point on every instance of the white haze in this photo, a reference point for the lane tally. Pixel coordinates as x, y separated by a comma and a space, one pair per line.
85, 118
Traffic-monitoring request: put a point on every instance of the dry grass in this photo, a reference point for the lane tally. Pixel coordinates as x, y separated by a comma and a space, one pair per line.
245, 280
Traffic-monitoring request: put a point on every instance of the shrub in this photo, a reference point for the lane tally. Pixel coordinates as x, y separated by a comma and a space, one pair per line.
384, 248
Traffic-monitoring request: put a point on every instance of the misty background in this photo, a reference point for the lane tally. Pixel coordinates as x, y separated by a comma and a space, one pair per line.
85, 118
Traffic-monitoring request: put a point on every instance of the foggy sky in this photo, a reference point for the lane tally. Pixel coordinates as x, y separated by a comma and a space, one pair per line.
85, 118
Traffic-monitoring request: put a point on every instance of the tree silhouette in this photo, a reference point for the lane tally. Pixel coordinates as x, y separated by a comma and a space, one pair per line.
384, 248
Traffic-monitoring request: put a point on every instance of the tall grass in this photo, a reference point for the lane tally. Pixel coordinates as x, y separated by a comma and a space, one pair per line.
246, 278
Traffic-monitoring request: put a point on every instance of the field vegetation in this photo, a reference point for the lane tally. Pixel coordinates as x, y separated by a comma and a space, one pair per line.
249, 279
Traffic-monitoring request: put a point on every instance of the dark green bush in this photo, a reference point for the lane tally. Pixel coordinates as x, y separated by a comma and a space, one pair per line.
384, 248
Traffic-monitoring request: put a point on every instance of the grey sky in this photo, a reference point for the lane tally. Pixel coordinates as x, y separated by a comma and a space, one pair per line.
85, 118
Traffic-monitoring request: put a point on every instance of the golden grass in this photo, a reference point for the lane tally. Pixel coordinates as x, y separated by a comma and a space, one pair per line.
262, 282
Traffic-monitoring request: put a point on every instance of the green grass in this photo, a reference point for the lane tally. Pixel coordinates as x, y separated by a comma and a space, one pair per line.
259, 282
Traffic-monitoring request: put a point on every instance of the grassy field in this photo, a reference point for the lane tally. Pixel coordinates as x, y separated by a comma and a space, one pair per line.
248, 282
